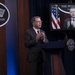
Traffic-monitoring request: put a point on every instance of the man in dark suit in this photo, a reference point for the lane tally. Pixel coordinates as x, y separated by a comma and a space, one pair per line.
33, 37
70, 22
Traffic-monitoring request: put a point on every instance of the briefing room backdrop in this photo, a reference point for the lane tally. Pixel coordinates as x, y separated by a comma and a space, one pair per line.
41, 7
13, 54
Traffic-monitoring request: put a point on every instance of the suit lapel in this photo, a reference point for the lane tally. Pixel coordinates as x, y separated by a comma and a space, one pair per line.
33, 32
41, 30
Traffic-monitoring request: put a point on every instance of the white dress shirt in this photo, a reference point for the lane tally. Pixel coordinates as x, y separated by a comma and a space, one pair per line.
36, 30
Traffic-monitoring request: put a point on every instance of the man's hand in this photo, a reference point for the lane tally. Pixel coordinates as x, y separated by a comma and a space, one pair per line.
38, 36
73, 24
42, 36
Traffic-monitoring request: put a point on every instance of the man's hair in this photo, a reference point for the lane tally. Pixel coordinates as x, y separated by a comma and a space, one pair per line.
72, 8
33, 18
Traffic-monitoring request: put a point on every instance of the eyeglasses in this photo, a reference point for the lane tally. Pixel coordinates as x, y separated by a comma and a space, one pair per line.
38, 21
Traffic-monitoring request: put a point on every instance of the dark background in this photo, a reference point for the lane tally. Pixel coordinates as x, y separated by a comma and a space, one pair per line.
41, 8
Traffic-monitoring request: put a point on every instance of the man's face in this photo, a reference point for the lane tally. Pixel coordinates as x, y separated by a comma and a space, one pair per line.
72, 12
37, 23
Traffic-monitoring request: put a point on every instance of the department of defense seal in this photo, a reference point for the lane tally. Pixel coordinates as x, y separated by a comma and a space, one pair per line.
70, 44
4, 15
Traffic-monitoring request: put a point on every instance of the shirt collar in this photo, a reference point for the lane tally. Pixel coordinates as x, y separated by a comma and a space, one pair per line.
36, 29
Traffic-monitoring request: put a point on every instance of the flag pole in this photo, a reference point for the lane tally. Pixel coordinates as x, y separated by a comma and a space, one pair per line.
57, 13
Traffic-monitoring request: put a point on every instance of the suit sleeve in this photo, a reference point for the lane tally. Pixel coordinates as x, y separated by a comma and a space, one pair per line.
29, 41
45, 40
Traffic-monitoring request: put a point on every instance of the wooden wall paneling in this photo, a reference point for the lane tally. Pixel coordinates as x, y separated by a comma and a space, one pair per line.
2, 48
2, 51
23, 24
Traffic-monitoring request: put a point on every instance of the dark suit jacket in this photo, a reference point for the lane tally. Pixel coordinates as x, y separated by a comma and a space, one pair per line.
66, 24
34, 54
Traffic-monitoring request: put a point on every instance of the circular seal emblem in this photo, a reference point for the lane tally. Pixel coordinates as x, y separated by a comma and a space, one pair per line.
4, 15
71, 44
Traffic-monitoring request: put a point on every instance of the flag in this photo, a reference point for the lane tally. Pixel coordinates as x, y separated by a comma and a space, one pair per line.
55, 17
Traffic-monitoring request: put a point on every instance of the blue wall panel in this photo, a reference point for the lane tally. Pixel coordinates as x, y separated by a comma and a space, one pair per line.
12, 38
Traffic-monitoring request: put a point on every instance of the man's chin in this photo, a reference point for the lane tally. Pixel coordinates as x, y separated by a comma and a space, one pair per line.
40, 26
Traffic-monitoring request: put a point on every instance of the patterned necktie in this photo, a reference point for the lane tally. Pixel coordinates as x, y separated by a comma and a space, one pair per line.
38, 31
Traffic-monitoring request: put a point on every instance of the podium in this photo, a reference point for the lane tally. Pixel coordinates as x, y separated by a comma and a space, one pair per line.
54, 48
